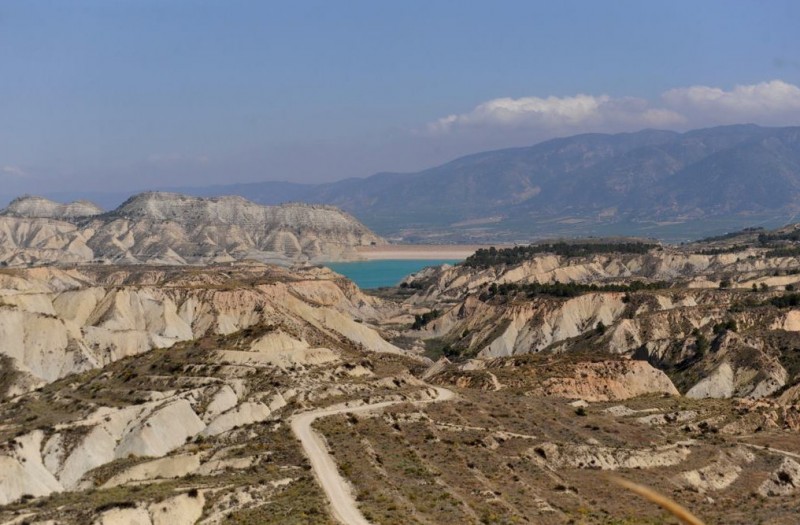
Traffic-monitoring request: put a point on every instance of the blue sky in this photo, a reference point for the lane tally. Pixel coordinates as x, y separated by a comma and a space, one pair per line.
117, 94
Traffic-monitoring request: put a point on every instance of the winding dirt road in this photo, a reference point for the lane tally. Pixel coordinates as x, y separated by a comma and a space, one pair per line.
343, 504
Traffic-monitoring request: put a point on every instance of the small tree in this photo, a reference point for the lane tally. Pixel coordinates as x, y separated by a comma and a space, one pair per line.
726, 326
701, 345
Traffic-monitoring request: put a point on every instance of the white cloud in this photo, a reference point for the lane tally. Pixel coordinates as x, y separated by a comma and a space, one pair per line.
769, 103
560, 114
509, 111
774, 102
14, 171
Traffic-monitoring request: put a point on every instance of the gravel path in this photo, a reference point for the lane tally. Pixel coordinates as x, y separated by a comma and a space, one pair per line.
337, 489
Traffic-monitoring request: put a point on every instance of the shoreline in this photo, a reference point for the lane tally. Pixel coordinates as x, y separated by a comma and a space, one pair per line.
420, 251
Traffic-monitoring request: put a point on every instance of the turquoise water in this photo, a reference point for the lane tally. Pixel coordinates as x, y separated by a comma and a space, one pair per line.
377, 274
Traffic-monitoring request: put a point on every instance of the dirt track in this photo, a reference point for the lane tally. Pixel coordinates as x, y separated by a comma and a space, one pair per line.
337, 489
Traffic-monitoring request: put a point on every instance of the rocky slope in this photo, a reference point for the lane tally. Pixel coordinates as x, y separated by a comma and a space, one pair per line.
175, 229
57, 322
137, 363
716, 316
690, 269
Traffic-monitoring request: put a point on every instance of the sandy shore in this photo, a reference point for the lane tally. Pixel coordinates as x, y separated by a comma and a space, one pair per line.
419, 251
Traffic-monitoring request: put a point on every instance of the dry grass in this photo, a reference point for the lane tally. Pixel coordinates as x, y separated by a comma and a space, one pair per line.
460, 463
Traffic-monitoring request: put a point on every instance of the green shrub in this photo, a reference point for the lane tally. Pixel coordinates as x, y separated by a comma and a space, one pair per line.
422, 320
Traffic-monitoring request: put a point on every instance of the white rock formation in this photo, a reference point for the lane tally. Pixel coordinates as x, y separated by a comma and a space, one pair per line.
54, 322
22, 471
536, 326
719, 384
178, 510
608, 458
168, 228
163, 431
720, 473
784, 481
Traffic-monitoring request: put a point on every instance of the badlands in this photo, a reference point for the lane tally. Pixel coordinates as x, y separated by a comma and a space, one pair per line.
501, 390
169, 228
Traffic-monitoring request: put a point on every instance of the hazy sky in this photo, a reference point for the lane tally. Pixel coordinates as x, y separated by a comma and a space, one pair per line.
136, 94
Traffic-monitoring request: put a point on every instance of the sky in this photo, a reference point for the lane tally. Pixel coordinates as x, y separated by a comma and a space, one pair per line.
113, 95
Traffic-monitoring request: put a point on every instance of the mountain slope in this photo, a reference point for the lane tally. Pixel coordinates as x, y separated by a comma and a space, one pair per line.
664, 184
707, 181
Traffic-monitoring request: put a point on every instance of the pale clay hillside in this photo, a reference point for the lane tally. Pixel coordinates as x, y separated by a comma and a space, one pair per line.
283, 340
56, 324
166, 228
500, 390
660, 325
32, 206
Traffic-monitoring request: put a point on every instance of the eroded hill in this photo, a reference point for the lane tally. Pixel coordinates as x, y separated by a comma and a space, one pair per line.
717, 316
168, 228
156, 394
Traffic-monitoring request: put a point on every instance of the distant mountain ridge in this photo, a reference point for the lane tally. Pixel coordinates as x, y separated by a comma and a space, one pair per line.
664, 184
169, 228
661, 183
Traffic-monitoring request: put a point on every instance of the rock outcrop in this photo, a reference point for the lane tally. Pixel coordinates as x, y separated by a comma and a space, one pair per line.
606, 458
718, 474
783, 481
160, 394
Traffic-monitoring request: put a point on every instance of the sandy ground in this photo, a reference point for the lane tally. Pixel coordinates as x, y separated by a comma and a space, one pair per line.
343, 504
420, 251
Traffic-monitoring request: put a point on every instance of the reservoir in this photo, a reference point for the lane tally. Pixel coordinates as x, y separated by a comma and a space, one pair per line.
386, 272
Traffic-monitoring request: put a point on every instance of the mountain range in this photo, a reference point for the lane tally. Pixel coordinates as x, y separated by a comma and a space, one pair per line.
663, 184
